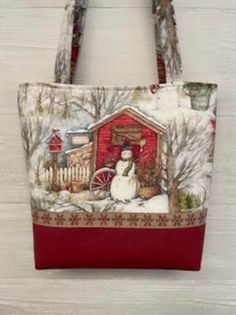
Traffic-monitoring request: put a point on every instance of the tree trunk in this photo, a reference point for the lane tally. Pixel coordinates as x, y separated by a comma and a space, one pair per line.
172, 188
37, 173
97, 111
173, 195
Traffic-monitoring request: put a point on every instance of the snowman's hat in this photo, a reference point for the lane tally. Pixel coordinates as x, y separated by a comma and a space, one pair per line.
126, 147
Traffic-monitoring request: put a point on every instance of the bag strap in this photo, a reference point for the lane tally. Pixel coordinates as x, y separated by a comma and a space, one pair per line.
167, 44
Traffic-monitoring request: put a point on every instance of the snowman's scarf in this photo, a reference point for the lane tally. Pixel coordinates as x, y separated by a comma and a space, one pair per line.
129, 167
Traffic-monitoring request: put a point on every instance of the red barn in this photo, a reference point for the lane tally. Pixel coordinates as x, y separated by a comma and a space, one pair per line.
126, 126
55, 143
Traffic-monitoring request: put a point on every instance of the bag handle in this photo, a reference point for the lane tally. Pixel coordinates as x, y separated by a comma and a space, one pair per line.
169, 62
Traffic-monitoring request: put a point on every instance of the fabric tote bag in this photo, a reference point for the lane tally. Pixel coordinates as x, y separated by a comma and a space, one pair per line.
119, 176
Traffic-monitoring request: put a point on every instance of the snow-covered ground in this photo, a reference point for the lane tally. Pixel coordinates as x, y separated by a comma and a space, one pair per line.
84, 201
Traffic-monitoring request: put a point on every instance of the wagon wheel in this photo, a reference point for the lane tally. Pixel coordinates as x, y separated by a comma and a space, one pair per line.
101, 182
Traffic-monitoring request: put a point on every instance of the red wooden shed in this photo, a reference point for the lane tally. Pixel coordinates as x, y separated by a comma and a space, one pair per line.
126, 126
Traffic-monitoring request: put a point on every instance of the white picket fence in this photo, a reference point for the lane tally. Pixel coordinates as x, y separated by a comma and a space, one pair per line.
69, 175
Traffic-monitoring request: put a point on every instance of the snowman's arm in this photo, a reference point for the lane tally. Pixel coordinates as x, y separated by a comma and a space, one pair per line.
119, 167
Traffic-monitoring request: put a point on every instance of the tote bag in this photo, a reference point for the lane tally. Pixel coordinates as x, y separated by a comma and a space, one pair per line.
119, 176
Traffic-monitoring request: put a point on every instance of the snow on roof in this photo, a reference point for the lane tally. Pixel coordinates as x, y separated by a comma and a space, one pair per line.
130, 109
77, 131
79, 148
54, 135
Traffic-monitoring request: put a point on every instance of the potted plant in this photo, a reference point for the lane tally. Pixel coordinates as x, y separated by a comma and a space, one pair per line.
200, 94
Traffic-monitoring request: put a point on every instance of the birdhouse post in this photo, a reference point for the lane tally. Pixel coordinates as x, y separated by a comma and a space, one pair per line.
55, 147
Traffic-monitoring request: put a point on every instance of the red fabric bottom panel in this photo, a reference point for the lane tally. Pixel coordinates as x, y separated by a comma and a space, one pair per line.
118, 248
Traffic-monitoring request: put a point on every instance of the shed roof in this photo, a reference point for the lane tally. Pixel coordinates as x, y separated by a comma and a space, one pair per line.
53, 136
79, 131
135, 114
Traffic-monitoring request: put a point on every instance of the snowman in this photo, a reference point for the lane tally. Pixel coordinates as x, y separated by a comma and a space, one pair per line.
124, 185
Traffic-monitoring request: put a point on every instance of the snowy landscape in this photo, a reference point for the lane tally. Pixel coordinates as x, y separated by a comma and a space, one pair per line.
158, 147
85, 201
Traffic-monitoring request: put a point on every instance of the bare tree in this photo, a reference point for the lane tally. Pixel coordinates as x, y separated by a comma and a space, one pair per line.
33, 134
39, 170
91, 103
62, 104
33, 128
117, 99
185, 152
100, 101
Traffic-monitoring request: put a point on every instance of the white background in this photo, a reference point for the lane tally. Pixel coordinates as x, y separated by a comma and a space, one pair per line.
118, 49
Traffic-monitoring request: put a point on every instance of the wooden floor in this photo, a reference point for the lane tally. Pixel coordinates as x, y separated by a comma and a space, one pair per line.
118, 49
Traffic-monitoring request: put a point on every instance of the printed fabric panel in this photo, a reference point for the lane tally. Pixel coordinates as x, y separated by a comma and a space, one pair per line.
119, 157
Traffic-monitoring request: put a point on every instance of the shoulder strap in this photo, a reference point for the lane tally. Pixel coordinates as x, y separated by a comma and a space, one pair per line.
70, 40
167, 45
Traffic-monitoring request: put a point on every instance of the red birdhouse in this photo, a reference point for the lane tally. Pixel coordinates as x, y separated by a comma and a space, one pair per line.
55, 143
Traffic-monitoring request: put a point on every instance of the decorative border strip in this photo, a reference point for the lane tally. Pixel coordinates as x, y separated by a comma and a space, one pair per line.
119, 220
